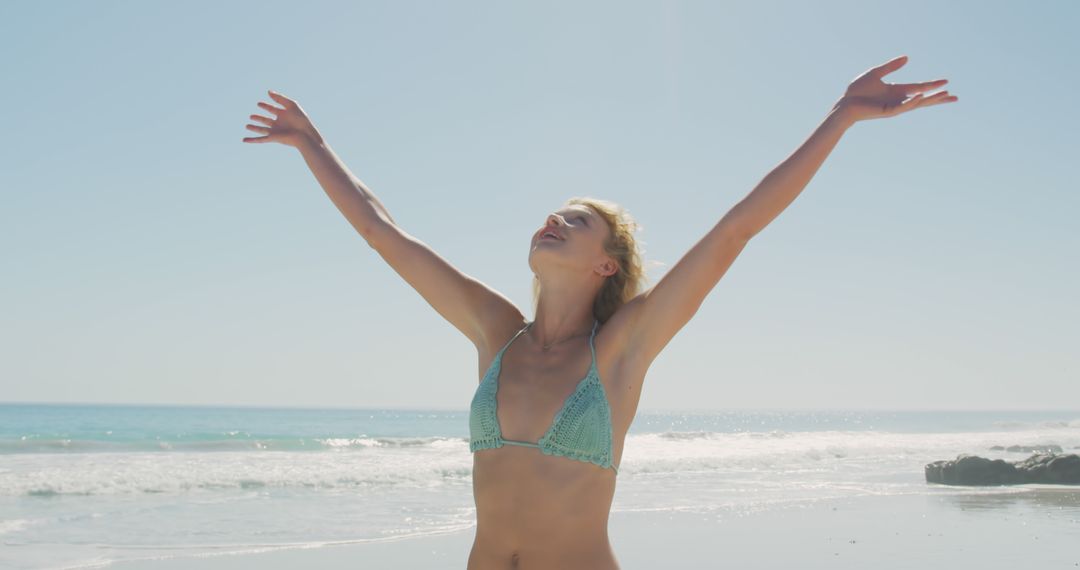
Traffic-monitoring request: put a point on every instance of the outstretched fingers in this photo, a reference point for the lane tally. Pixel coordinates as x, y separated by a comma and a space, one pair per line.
907, 105
889, 66
262, 119
268, 135
275, 110
939, 97
281, 99
258, 129
920, 100
909, 88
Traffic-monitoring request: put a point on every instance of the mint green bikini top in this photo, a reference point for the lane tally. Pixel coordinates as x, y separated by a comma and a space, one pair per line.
581, 430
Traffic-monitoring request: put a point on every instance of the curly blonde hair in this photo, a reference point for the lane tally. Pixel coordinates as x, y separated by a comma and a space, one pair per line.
629, 278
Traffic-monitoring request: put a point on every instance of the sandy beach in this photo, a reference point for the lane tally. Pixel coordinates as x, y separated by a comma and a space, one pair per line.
1030, 526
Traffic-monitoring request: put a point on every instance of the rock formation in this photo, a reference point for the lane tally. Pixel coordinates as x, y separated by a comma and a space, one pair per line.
967, 469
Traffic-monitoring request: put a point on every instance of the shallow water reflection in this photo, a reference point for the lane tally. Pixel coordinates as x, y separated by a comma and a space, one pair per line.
1063, 500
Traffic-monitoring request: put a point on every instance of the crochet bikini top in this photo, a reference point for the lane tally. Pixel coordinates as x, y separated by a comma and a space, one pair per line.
581, 429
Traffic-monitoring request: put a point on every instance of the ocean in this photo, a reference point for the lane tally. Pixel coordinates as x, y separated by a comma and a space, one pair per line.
86, 485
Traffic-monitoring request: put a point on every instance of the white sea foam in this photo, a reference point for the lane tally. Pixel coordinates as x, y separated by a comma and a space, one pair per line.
434, 462
13, 525
144, 492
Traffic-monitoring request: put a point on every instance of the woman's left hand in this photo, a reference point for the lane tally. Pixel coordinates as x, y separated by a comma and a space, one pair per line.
868, 97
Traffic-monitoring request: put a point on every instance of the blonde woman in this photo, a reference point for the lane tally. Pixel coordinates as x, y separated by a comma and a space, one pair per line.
551, 411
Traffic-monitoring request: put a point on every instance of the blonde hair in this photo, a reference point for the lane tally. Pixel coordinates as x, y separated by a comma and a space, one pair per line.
629, 278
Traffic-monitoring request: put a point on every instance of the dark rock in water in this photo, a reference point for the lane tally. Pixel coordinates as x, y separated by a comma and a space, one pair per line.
967, 469
972, 470
1052, 468
1029, 448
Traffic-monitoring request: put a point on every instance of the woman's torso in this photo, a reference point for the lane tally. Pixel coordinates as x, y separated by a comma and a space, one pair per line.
545, 511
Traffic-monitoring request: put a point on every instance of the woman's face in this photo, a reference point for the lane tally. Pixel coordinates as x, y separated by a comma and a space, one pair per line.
580, 238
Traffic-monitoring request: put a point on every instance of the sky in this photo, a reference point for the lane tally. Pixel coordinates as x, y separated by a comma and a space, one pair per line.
151, 257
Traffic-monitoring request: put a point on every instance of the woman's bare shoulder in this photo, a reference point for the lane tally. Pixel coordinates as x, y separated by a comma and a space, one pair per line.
613, 338
497, 326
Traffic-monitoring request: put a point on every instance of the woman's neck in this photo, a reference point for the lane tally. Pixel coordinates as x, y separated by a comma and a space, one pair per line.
559, 318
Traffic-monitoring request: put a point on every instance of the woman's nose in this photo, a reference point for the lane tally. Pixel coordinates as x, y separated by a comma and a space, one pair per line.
554, 220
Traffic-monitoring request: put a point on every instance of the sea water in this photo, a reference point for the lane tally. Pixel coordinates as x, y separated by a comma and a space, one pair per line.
85, 485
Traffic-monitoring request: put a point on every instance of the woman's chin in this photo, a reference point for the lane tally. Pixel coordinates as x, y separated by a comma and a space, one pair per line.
545, 248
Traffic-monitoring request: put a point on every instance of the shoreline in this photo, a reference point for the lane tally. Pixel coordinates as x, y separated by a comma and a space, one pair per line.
1038, 526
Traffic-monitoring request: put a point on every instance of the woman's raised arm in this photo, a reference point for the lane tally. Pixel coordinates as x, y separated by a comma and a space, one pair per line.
468, 304
867, 97
659, 312
291, 126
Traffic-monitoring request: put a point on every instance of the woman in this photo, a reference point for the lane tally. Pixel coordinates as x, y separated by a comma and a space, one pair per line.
547, 449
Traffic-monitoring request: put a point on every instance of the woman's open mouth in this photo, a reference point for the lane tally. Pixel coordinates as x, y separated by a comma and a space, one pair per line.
548, 235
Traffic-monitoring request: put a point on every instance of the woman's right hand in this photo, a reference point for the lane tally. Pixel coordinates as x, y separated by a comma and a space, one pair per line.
290, 125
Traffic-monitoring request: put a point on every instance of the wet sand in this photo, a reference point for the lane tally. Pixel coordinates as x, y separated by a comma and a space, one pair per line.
1023, 526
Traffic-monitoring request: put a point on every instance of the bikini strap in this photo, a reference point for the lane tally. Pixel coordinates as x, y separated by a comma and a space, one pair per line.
591, 347
513, 338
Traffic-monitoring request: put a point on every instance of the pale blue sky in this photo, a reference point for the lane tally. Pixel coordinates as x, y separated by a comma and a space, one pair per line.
152, 257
